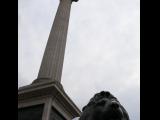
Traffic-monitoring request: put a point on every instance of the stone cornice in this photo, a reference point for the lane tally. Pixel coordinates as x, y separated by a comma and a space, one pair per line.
48, 89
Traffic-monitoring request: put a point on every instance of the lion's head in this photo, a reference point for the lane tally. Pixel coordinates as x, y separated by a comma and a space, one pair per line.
104, 106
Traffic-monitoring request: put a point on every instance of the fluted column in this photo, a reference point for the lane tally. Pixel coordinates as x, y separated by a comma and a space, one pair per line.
52, 62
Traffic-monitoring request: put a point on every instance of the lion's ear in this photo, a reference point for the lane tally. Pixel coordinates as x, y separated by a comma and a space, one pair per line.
125, 113
84, 108
107, 93
102, 93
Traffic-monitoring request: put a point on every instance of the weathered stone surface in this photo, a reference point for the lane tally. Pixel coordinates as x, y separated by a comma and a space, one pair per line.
47, 90
51, 96
52, 63
31, 113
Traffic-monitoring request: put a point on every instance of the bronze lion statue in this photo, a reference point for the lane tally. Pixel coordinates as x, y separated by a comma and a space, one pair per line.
104, 106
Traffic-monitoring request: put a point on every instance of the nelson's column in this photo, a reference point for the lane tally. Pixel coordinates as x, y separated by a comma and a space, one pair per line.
45, 98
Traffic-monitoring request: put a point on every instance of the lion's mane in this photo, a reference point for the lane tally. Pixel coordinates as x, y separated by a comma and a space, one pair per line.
104, 106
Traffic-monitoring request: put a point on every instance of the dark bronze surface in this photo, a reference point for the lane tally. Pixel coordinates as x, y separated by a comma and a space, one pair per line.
104, 106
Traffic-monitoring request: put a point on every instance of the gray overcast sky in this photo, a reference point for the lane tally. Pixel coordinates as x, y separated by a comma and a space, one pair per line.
102, 51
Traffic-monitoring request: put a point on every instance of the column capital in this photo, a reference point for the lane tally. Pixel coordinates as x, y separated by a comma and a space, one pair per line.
72, 0
75, 0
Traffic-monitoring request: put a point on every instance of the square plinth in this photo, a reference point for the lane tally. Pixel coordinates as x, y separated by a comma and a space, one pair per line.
45, 101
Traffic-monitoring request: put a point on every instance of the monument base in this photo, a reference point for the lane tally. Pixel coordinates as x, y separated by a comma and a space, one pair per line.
45, 101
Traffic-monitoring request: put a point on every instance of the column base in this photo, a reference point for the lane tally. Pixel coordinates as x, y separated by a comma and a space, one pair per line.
47, 80
48, 99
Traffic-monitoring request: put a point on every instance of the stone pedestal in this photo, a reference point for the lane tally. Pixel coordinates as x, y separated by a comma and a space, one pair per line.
45, 98
45, 101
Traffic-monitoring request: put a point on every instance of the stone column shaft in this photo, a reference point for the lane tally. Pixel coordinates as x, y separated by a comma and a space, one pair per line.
52, 62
